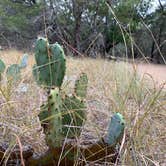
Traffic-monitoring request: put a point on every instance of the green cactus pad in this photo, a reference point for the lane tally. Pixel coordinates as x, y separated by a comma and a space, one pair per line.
24, 61
116, 129
50, 62
59, 65
40, 47
2, 68
74, 115
13, 72
81, 86
54, 132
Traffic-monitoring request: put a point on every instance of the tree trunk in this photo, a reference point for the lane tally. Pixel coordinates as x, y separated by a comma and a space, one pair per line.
152, 51
77, 32
77, 13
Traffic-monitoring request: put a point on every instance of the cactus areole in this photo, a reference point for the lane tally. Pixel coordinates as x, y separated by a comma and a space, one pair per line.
50, 64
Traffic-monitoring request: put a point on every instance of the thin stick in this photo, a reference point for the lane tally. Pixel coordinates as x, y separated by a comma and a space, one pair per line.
21, 151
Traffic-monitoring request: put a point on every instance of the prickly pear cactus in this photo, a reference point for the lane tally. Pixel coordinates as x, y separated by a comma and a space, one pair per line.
50, 63
115, 129
2, 68
81, 86
74, 116
13, 72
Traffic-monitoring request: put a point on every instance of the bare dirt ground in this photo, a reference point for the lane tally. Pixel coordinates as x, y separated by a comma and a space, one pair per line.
157, 72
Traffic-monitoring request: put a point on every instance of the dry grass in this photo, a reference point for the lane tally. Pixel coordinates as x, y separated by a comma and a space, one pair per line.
19, 110
157, 71
113, 87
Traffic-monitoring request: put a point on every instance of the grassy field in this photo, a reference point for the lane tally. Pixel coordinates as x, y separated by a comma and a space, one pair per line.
113, 87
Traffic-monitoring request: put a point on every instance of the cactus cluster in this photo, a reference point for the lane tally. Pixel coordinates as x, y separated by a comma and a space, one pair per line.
13, 72
62, 115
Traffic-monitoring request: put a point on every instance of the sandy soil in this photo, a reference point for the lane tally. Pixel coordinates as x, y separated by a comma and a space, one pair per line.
157, 72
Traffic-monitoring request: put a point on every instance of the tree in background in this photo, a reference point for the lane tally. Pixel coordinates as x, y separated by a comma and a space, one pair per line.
91, 27
17, 21
158, 28
150, 37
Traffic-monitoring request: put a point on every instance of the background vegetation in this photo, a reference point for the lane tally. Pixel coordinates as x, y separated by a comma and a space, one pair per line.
132, 28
